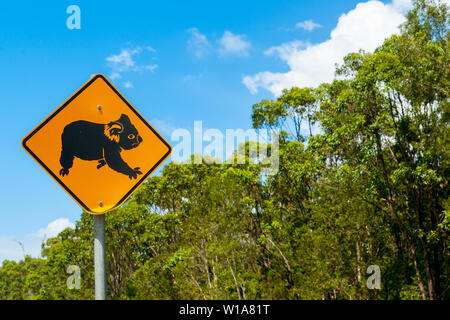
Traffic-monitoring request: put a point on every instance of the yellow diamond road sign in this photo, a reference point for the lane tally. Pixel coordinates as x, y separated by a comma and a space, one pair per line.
97, 146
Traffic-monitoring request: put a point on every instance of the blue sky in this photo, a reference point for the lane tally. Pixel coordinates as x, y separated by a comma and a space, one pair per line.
176, 62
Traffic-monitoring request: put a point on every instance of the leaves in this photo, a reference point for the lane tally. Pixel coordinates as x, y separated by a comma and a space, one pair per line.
370, 189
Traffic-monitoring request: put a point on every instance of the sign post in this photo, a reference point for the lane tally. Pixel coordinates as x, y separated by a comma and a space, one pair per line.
99, 149
100, 257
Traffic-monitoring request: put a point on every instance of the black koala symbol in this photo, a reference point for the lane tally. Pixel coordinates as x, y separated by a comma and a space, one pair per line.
103, 142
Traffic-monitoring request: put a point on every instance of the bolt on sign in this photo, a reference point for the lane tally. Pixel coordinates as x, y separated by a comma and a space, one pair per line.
97, 146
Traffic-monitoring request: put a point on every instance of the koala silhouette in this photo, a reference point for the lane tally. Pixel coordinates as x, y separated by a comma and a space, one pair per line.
103, 142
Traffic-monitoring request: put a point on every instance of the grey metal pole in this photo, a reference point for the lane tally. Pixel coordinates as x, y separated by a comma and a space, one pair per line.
100, 257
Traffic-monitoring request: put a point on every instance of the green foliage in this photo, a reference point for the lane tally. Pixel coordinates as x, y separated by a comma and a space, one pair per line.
370, 189
290, 109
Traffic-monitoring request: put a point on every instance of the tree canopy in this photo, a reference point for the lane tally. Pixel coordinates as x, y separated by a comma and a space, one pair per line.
365, 184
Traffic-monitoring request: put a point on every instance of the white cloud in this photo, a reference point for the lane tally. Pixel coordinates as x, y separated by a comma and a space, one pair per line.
55, 227
190, 77
114, 75
229, 44
197, 43
125, 61
308, 25
233, 44
150, 67
150, 49
365, 27
12, 248
128, 84
402, 5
